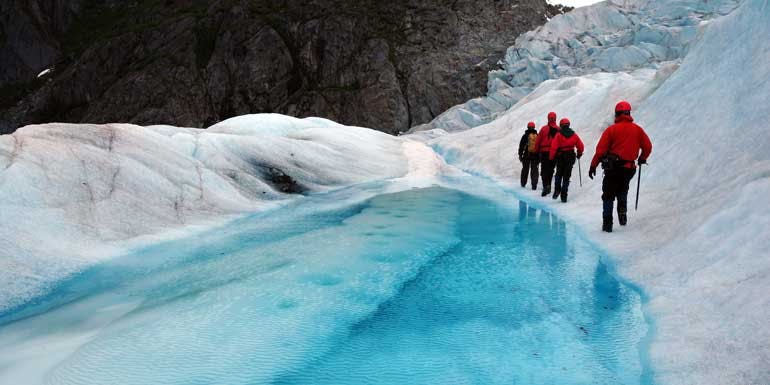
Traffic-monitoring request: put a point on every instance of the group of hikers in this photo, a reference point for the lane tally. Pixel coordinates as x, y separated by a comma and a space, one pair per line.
557, 147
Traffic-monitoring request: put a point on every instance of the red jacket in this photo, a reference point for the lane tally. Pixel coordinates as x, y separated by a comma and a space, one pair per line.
543, 143
563, 144
624, 139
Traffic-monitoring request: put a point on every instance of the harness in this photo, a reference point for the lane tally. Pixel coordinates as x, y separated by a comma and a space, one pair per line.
566, 153
612, 161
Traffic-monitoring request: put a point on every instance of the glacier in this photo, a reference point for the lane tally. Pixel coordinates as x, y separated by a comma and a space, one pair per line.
84, 199
698, 243
616, 35
430, 285
75, 193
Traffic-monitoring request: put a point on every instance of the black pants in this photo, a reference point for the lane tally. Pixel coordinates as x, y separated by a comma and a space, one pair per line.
565, 161
529, 166
546, 170
615, 186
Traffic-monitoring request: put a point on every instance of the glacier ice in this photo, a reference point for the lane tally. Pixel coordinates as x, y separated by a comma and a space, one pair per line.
699, 242
610, 36
72, 194
421, 286
518, 300
698, 246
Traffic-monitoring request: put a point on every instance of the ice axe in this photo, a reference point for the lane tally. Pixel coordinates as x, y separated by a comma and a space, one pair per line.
638, 183
580, 173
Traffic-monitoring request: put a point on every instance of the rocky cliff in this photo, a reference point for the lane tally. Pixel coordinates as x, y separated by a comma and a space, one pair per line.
387, 65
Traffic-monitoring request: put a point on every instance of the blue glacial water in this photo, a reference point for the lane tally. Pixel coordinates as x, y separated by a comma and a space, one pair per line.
423, 286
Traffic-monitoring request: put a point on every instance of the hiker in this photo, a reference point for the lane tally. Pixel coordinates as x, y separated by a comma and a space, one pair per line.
562, 152
528, 155
543, 146
617, 150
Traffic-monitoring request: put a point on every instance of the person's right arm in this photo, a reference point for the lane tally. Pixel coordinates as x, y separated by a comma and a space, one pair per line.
646, 146
601, 148
522, 145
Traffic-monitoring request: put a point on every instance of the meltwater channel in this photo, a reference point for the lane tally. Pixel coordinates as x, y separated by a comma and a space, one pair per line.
424, 286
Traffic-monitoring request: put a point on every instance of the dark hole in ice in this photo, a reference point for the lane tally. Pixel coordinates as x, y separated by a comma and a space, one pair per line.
277, 178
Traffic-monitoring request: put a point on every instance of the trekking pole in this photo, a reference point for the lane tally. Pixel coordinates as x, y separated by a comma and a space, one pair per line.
580, 174
638, 182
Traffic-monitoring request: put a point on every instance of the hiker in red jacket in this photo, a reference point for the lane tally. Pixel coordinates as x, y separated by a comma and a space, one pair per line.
543, 145
528, 155
563, 153
617, 150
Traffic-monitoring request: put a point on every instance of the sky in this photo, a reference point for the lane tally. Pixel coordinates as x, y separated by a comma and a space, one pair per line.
574, 3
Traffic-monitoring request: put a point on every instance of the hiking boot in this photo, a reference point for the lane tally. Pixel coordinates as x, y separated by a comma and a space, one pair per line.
564, 197
556, 193
546, 191
607, 224
622, 219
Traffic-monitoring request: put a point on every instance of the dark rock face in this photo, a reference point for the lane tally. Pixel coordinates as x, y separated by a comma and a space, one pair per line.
385, 65
29, 30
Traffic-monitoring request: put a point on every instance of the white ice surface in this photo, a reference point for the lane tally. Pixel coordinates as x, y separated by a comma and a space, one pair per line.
699, 243
74, 194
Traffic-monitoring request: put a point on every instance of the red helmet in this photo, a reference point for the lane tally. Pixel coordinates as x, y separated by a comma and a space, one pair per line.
531, 125
551, 116
564, 122
623, 106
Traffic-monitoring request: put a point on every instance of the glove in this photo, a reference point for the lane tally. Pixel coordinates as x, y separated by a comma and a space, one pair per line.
521, 158
579, 155
592, 172
642, 161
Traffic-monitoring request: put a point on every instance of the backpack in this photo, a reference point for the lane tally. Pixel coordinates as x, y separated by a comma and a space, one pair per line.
531, 140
